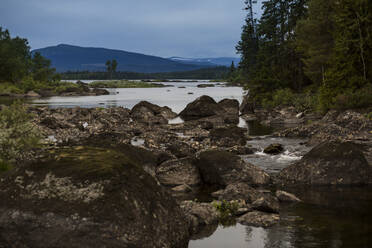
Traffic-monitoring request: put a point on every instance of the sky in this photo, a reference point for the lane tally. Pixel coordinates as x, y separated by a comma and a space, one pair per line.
185, 28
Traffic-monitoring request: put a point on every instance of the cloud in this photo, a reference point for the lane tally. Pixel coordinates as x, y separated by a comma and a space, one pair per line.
193, 28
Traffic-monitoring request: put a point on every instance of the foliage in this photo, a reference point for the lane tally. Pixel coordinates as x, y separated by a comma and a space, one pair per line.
17, 133
322, 44
20, 68
225, 208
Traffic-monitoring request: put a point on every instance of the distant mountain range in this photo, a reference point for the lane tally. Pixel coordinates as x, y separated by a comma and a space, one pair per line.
74, 58
223, 61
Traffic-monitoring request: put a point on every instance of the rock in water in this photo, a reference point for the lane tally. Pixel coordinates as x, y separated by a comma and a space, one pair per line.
274, 149
286, 197
203, 106
329, 163
150, 113
259, 219
224, 168
228, 137
88, 197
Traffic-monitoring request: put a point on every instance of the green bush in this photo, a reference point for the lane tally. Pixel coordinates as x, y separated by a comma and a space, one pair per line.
18, 134
8, 88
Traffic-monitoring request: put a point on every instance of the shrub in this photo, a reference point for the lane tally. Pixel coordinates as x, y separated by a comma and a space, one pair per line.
8, 88
17, 134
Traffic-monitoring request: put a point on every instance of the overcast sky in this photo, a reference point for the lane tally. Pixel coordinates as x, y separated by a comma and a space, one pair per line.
187, 28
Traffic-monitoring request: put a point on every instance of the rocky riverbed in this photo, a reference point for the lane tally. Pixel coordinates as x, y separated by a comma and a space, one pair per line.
128, 178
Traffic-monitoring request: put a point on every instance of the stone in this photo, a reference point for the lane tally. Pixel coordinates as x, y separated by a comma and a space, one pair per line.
259, 219
150, 113
178, 172
286, 197
228, 137
223, 168
90, 197
32, 94
274, 149
236, 191
203, 106
266, 203
329, 163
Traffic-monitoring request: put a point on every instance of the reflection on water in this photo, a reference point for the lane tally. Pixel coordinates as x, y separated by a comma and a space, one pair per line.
328, 217
176, 98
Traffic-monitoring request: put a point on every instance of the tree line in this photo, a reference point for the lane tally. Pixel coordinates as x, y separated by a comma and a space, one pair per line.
317, 50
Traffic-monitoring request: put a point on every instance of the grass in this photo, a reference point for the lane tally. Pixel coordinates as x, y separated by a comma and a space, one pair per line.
125, 84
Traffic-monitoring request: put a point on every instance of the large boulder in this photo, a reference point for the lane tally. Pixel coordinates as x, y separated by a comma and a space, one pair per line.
150, 113
231, 107
88, 197
203, 106
274, 149
266, 203
223, 168
178, 172
229, 136
329, 163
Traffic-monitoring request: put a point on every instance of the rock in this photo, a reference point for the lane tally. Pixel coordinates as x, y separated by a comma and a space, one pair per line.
180, 149
286, 197
199, 214
178, 172
274, 149
224, 168
241, 150
51, 122
300, 115
231, 107
259, 219
184, 188
228, 137
32, 94
150, 113
88, 197
266, 203
329, 163
238, 191
100, 92
203, 106
247, 106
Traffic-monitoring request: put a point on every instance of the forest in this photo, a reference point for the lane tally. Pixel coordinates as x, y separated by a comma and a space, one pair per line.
313, 54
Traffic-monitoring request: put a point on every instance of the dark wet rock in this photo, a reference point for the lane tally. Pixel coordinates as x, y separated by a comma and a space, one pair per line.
229, 136
231, 107
207, 125
238, 191
180, 149
151, 113
247, 106
284, 196
330, 163
52, 123
266, 203
100, 92
178, 172
199, 215
88, 197
203, 106
259, 219
274, 149
224, 168
241, 150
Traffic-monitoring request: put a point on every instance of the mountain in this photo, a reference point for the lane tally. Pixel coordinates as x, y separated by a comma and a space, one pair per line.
74, 58
222, 61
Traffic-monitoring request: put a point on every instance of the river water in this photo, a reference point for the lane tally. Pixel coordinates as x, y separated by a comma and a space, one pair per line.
328, 216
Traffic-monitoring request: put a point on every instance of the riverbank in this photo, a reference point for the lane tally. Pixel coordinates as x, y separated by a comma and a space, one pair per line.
205, 152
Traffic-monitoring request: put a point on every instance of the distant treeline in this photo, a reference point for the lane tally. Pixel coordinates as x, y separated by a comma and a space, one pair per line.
205, 73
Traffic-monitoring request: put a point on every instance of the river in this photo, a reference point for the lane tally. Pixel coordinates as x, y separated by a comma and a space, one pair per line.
328, 216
